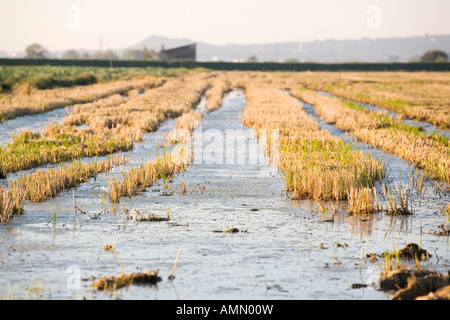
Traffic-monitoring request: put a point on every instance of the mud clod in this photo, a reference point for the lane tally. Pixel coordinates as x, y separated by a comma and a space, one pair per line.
440, 294
411, 284
124, 280
411, 251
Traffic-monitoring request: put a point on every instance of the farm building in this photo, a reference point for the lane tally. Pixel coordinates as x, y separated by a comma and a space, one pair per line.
181, 53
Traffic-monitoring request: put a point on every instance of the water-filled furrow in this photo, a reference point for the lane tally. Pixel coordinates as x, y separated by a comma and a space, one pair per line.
427, 127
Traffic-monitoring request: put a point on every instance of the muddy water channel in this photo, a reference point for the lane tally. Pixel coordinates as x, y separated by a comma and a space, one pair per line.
275, 254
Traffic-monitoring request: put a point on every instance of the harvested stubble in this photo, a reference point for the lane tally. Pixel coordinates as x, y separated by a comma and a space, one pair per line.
189, 121
32, 101
112, 283
427, 152
398, 202
138, 178
42, 185
185, 125
145, 113
59, 144
11, 203
152, 217
363, 200
421, 96
81, 113
219, 86
178, 136
315, 164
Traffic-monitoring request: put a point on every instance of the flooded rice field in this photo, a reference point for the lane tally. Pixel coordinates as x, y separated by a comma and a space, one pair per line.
279, 248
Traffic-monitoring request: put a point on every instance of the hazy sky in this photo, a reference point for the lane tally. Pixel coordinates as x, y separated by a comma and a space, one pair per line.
64, 24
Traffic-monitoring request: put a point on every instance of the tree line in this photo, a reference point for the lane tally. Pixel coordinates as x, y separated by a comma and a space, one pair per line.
37, 51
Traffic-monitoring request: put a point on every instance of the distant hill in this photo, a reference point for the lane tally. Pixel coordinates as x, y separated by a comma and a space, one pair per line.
363, 50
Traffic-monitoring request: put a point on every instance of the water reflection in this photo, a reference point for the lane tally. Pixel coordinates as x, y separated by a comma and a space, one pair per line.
398, 226
363, 225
